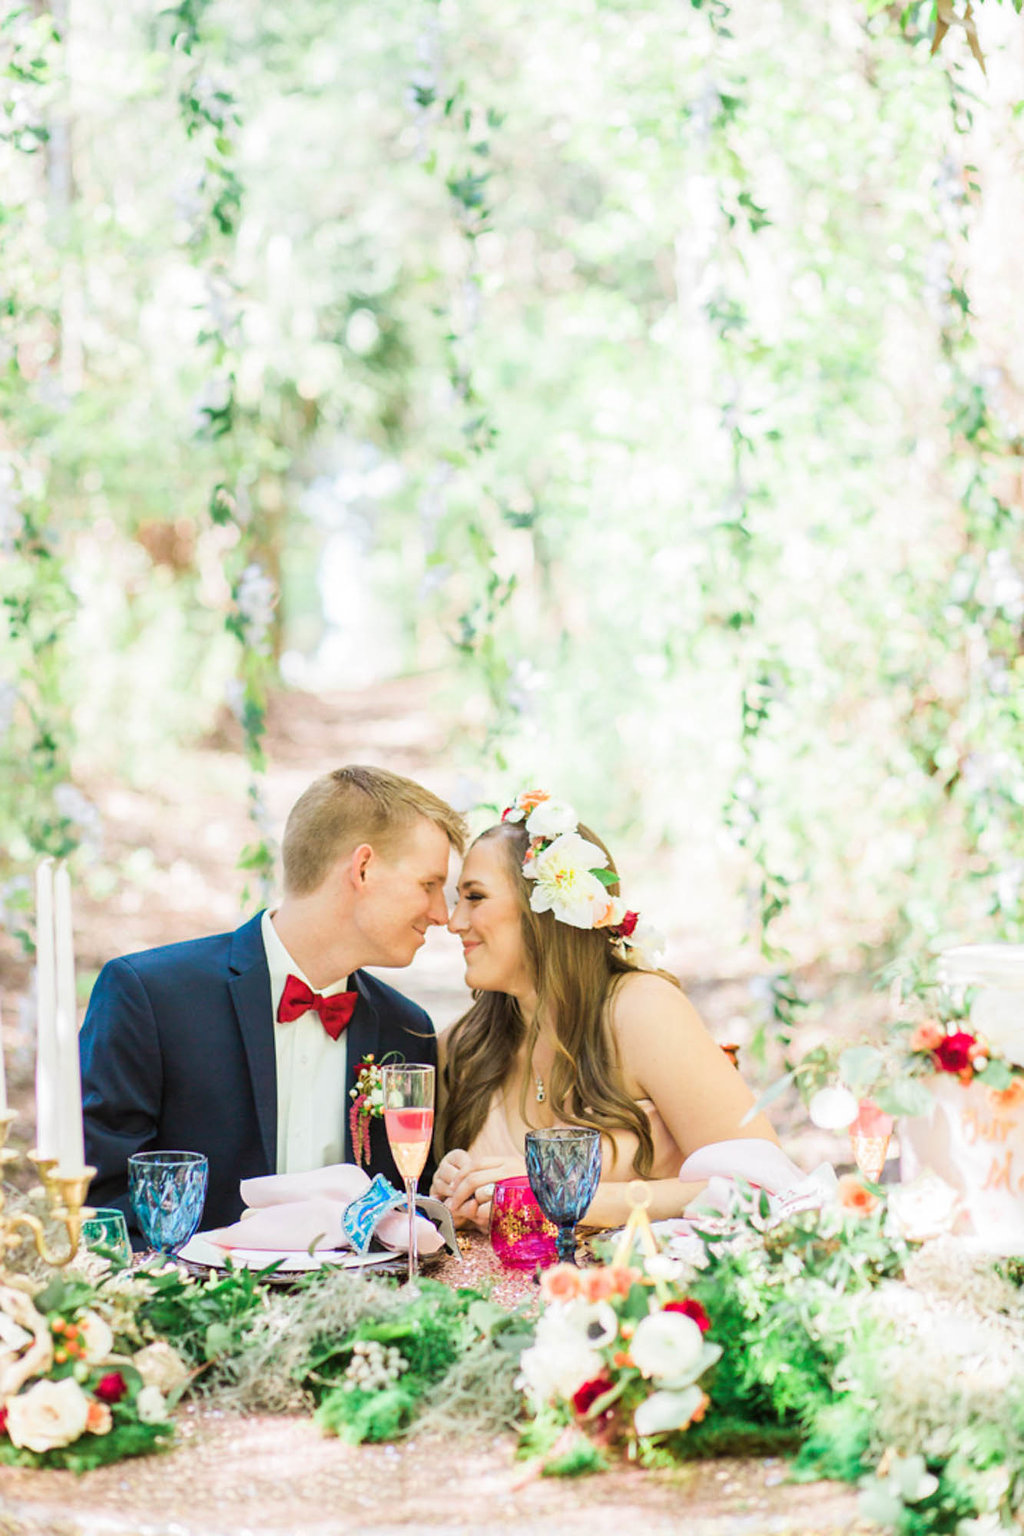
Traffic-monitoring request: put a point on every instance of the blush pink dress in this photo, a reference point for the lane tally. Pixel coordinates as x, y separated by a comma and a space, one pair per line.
503, 1134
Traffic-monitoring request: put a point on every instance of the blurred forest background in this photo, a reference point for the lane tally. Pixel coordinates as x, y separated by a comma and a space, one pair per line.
625, 397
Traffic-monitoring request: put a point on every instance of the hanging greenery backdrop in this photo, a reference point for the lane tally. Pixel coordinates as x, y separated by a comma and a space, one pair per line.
660, 362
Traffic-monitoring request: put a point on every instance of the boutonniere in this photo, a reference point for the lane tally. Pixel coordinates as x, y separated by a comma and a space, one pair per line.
367, 1104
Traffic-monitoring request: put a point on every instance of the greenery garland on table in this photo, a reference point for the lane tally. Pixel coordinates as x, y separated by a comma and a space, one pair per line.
822, 1334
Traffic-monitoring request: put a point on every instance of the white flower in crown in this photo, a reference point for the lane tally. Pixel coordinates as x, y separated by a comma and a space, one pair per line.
564, 884
552, 818
647, 944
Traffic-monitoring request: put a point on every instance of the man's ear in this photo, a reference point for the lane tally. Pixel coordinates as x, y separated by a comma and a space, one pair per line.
359, 862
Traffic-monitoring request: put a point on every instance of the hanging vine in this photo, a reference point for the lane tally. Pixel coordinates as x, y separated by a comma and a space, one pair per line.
456, 143
211, 120
41, 811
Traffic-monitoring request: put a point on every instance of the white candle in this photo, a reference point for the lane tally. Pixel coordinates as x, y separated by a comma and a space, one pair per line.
46, 1016
70, 1144
3, 1078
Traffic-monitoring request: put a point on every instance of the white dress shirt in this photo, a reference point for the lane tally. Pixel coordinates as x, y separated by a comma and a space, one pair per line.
312, 1102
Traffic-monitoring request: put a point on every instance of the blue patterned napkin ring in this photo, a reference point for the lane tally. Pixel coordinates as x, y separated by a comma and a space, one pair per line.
361, 1216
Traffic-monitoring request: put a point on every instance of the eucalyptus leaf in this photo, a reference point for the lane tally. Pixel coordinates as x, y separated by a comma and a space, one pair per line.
905, 1096
859, 1066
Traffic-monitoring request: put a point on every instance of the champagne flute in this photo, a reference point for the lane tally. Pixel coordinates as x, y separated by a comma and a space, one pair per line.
563, 1165
409, 1121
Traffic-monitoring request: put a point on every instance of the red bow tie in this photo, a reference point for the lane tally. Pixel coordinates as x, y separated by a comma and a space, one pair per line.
334, 1012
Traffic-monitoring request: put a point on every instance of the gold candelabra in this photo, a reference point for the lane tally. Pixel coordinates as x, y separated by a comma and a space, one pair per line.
65, 1204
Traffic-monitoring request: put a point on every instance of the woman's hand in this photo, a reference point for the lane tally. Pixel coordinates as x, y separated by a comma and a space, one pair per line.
449, 1171
470, 1198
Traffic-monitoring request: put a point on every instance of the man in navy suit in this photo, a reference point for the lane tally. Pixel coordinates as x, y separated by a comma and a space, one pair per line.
245, 1045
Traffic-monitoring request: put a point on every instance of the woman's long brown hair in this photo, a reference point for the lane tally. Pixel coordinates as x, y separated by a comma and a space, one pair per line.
576, 971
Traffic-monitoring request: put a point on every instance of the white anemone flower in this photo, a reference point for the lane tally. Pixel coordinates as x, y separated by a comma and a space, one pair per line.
596, 1321
563, 883
551, 818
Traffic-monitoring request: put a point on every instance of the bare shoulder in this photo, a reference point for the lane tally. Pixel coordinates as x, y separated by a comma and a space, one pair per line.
646, 1003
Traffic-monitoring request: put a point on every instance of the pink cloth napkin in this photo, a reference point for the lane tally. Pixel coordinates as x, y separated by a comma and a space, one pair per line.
292, 1211
760, 1163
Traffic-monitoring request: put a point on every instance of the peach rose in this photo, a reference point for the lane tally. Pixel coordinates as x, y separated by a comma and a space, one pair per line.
623, 1277
560, 1283
1005, 1100
597, 1284
927, 1036
854, 1197
531, 798
99, 1420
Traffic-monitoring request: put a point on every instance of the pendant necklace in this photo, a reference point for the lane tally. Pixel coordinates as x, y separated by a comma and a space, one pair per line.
541, 1095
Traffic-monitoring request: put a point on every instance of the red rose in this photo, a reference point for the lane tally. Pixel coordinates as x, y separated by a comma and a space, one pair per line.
954, 1054
3, 1421
589, 1393
690, 1308
111, 1389
628, 924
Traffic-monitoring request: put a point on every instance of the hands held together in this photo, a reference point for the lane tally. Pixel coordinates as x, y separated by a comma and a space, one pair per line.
466, 1185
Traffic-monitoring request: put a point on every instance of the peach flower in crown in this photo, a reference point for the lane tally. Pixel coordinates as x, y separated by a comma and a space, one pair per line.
571, 877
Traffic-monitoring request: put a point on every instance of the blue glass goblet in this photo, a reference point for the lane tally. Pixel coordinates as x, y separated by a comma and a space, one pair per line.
168, 1192
564, 1167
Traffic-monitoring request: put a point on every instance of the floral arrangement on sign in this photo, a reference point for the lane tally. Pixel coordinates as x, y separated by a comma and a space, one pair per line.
842, 1086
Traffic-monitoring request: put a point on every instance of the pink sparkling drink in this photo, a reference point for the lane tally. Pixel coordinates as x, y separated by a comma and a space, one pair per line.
410, 1132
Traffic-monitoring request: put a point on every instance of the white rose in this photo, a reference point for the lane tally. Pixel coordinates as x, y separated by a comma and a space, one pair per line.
48, 1415
926, 1207
560, 1360
663, 1411
670, 1348
833, 1109
161, 1366
150, 1406
551, 818
96, 1336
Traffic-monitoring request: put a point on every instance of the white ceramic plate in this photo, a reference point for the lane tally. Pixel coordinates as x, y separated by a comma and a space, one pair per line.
199, 1250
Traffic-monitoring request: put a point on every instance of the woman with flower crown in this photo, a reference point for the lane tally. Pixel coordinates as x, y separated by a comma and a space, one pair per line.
571, 1025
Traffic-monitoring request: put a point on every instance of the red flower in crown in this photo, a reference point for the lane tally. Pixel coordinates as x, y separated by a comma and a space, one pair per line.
627, 927
3, 1421
954, 1053
111, 1388
690, 1308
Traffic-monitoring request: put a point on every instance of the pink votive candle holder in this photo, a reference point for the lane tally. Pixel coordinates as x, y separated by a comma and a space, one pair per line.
521, 1235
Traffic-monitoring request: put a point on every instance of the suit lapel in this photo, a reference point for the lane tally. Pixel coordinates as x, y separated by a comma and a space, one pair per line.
363, 1039
249, 985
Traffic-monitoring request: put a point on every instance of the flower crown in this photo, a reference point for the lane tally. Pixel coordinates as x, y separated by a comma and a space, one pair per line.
570, 877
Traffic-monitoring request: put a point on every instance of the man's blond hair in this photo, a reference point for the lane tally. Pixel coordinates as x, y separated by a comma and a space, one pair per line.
356, 805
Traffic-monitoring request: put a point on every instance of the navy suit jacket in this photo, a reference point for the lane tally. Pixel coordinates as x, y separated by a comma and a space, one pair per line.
177, 1052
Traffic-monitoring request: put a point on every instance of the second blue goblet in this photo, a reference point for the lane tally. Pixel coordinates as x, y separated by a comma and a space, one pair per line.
564, 1168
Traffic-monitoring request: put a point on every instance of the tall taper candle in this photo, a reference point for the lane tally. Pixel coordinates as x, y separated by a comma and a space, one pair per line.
70, 1144
47, 1070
